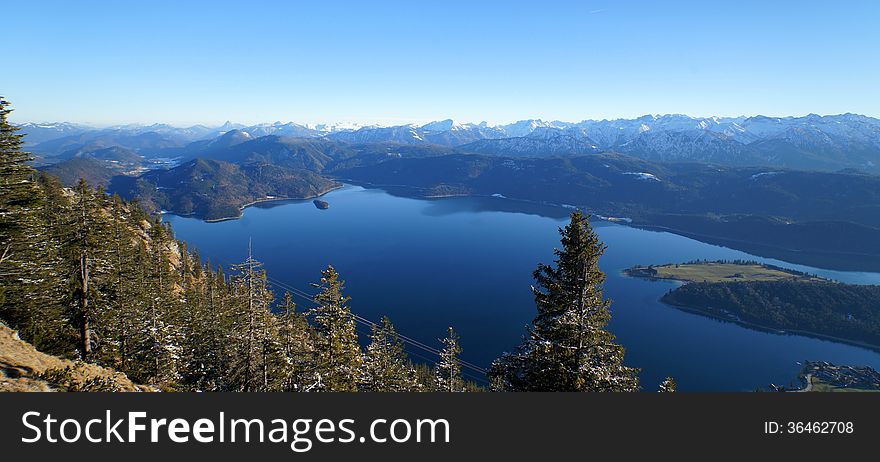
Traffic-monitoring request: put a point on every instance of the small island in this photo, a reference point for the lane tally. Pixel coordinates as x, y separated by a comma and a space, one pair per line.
720, 271
323, 205
772, 298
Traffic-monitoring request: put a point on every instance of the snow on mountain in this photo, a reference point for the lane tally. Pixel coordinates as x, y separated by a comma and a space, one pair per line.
525, 127
404, 134
552, 143
688, 145
335, 127
440, 126
644, 176
812, 141
38, 132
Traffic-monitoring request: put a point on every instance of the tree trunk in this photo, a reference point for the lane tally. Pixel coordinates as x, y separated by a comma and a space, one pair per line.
85, 335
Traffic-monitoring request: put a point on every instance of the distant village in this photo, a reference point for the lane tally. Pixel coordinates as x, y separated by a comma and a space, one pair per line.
839, 377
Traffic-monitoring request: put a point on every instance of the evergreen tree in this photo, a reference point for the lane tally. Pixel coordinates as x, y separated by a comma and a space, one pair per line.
339, 354
87, 258
20, 197
568, 348
668, 385
201, 363
22, 234
35, 278
297, 340
424, 377
386, 367
448, 373
253, 351
121, 294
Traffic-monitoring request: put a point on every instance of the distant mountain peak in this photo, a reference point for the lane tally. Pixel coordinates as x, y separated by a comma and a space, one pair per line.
439, 126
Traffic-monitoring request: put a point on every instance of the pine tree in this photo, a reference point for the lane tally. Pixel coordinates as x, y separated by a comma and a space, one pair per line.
297, 340
87, 259
20, 198
448, 373
424, 377
339, 354
667, 386
121, 294
24, 256
201, 366
160, 325
253, 351
386, 367
34, 279
568, 348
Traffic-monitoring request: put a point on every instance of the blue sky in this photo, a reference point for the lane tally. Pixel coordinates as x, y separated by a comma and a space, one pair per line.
397, 62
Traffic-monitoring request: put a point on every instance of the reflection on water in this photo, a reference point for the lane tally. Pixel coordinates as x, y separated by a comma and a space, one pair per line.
467, 262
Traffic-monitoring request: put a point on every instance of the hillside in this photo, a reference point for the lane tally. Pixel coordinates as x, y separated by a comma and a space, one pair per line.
94, 171
212, 189
844, 312
113, 154
23, 368
771, 297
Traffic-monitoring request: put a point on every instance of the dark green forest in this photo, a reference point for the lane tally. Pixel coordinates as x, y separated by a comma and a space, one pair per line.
87, 275
844, 311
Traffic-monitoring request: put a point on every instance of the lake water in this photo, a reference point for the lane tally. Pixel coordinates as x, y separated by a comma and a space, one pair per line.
467, 263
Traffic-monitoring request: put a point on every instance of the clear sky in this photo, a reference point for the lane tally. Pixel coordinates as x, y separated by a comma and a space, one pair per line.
393, 62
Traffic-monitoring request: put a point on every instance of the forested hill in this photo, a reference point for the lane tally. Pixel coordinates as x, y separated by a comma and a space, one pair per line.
218, 179
212, 189
772, 297
841, 311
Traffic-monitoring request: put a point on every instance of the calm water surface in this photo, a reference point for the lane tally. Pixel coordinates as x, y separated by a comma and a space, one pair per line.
467, 262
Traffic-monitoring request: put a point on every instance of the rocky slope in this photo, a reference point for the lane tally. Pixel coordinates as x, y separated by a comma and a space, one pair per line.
23, 368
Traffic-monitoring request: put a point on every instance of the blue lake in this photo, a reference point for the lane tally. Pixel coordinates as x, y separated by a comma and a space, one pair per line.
467, 263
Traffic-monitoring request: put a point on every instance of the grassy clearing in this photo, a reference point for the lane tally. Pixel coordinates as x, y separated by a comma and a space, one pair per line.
720, 272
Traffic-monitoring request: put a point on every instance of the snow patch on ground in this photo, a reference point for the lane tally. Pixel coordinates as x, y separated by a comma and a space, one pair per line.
763, 174
643, 176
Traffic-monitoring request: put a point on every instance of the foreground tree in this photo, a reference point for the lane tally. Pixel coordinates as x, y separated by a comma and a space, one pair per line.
668, 385
339, 354
568, 347
386, 367
448, 373
21, 232
87, 253
20, 197
297, 342
255, 353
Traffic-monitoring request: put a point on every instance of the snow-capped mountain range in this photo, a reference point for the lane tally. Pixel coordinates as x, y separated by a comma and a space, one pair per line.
812, 141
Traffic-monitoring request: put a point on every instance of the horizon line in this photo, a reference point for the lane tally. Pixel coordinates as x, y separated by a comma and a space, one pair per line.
417, 122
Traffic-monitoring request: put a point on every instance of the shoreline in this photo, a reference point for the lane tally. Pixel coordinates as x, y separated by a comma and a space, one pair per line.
260, 201
419, 193
751, 325
842, 260
700, 237
773, 330
385, 186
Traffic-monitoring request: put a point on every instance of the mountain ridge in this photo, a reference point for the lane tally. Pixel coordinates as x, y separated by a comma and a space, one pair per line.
815, 142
